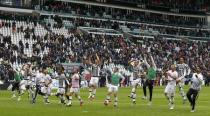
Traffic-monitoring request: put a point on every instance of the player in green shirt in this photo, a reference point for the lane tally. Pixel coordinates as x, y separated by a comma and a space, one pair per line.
113, 86
16, 83
150, 77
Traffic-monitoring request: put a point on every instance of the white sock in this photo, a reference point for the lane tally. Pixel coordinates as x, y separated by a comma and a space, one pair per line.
115, 101
70, 99
90, 92
134, 97
172, 100
167, 97
133, 91
79, 98
94, 93
107, 98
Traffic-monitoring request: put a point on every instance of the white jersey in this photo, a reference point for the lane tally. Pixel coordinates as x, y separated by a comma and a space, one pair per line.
171, 86
172, 76
136, 70
38, 78
95, 70
61, 80
183, 70
47, 78
196, 81
75, 81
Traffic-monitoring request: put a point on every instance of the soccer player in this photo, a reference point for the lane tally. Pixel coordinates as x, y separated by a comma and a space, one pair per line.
93, 84
27, 75
195, 88
183, 70
171, 77
75, 88
87, 76
16, 84
39, 83
137, 72
150, 77
61, 83
46, 89
113, 86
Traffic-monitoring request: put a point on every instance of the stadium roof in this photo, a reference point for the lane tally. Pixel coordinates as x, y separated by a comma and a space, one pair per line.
17, 10
130, 8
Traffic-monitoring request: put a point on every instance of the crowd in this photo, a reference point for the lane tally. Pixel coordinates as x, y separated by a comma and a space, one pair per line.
190, 5
174, 31
122, 14
104, 60
83, 48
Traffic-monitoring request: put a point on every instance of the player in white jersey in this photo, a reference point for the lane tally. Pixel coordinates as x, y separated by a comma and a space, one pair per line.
39, 83
113, 86
183, 70
27, 75
193, 92
86, 74
61, 84
137, 72
46, 89
93, 84
75, 88
171, 77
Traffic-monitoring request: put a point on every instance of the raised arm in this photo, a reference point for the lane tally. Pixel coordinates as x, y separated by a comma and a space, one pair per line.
122, 77
153, 63
97, 59
145, 62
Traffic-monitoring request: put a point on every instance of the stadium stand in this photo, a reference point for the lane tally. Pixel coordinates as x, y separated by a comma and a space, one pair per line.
55, 37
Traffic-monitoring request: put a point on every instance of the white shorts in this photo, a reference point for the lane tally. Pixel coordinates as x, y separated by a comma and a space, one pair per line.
74, 90
136, 82
22, 82
46, 90
29, 83
84, 84
61, 91
170, 89
113, 88
94, 81
22, 85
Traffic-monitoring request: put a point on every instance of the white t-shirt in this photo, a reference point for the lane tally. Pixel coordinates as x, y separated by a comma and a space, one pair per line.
196, 81
47, 78
38, 79
75, 81
172, 76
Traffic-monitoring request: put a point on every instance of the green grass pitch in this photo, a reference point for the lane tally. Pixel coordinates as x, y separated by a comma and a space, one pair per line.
159, 107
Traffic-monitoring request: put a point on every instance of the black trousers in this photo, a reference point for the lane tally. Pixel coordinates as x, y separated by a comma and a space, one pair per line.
150, 85
37, 91
207, 81
15, 86
192, 96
